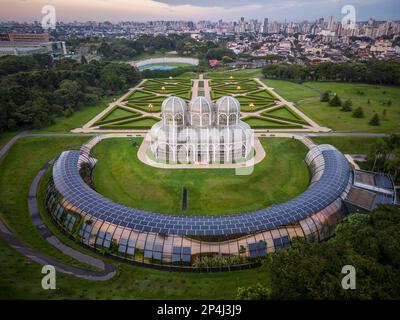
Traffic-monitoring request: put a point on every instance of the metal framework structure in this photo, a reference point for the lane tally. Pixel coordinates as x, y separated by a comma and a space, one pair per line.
202, 132
154, 238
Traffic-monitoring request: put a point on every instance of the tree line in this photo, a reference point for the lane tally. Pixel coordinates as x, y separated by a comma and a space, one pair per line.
36, 89
310, 270
372, 71
184, 45
384, 156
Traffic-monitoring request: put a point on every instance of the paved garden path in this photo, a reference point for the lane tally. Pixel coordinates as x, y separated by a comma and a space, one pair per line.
108, 270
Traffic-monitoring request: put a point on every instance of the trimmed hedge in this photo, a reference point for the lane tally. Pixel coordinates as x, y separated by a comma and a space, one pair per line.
104, 121
299, 119
279, 124
130, 124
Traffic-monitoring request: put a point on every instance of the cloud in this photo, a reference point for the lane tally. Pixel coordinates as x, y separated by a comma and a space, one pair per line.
212, 3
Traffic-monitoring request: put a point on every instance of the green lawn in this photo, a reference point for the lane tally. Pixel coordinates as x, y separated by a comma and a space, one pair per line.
118, 113
258, 122
290, 90
120, 176
242, 73
20, 277
78, 119
6, 136
18, 168
139, 123
284, 113
350, 145
307, 96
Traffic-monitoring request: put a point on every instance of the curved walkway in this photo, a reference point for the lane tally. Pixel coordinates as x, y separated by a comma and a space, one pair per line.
108, 270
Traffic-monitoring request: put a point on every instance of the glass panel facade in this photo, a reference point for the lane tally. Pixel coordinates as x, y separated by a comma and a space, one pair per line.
154, 238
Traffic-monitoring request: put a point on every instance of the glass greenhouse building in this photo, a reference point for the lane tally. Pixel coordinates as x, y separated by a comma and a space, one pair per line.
170, 240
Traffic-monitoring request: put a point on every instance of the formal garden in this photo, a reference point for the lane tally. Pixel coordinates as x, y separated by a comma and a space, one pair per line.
261, 109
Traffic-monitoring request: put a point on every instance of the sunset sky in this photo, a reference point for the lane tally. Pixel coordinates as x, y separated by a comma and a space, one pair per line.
143, 10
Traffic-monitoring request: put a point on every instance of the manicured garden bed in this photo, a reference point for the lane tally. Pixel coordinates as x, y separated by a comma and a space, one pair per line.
138, 123
264, 123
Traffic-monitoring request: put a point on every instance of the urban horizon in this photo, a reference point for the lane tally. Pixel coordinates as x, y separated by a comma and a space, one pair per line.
178, 10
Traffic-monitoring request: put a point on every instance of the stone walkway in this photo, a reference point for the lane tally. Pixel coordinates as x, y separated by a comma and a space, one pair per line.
108, 270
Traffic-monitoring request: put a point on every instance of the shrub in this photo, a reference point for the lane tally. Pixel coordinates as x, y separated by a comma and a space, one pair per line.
375, 121
325, 96
335, 101
219, 261
358, 113
347, 106
257, 292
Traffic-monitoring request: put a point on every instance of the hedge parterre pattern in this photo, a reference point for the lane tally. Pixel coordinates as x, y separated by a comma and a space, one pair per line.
150, 237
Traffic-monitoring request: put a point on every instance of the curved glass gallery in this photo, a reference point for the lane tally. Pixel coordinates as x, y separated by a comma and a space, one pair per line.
160, 239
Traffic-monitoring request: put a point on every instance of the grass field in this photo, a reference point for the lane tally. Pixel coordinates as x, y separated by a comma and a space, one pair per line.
5, 137
20, 278
290, 90
307, 97
121, 176
259, 123
350, 145
18, 168
78, 119
240, 73
139, 123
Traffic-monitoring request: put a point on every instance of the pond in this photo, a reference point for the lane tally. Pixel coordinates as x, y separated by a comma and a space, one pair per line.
157, 67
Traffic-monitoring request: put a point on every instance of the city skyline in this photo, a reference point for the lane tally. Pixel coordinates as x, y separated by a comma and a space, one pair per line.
228, 10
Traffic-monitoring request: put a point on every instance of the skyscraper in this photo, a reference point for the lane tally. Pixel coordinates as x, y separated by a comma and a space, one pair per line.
265, 27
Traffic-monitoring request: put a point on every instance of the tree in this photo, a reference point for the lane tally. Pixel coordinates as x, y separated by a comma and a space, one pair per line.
219, 53
83, 60
346, 107
335, 101
311, 270
325, 96
375, 121
68, 93
358, 113
378, 152
227, 59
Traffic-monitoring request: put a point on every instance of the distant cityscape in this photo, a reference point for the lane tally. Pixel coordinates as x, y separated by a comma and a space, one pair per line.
318, 41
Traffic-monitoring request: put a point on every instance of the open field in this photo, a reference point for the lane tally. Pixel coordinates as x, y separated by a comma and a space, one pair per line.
20, 278
135, 123
290, 90
18, 168
307, 100
240, 73
78, 119
6, 136
120, 176
350, 145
